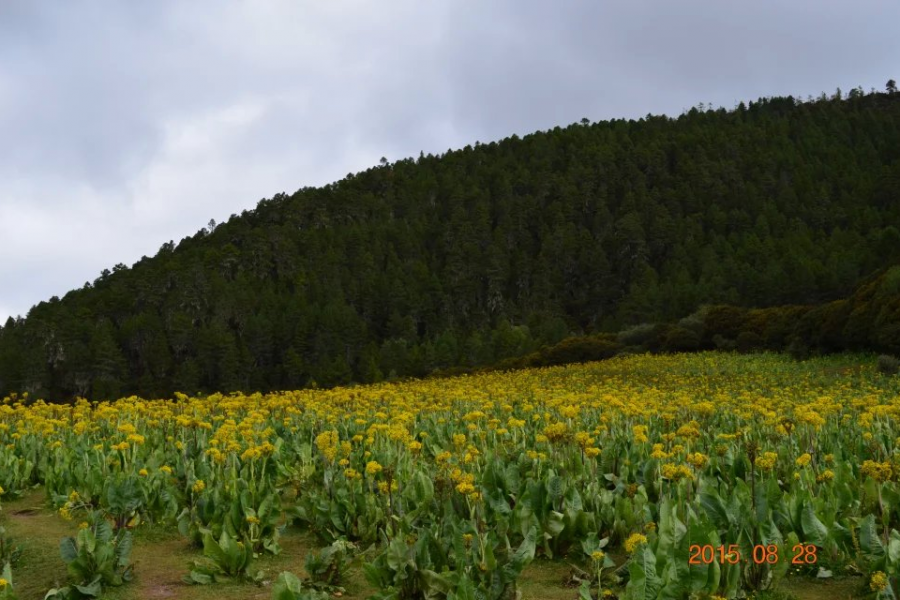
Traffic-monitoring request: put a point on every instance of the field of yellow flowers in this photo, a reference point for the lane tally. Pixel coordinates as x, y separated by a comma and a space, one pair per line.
684, 476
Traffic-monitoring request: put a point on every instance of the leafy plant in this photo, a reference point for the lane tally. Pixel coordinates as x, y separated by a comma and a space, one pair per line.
6, 583
289, 587
224, 559
889, 365
327, 567
10, 552
95, 557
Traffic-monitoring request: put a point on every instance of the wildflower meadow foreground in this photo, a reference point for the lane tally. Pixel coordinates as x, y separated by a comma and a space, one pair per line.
702, 476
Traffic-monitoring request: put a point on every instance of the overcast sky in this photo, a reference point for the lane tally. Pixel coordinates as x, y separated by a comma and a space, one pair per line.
124, 125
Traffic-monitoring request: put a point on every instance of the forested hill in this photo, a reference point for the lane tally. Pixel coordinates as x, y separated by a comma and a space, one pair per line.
488, 252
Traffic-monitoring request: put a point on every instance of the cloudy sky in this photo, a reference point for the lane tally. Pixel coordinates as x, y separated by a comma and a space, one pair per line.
124, 125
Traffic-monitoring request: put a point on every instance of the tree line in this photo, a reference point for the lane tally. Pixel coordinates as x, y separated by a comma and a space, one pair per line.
488, 253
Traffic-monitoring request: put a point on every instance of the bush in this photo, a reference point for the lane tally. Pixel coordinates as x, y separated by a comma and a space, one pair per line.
679, 339
889, 365
696, 321
639, 335
748, 341
723, 343
797, 348
724, 320
578, 349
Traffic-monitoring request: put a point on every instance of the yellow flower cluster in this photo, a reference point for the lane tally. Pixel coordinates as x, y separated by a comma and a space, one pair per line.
634, 541
879, 471
878, 582
767, 461
675, 472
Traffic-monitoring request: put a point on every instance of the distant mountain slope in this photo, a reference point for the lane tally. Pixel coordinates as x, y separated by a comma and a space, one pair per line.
488, 252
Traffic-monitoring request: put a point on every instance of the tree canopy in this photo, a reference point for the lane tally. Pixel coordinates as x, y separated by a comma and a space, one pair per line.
487, 253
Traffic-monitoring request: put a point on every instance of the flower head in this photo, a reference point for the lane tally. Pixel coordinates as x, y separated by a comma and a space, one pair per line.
633, 541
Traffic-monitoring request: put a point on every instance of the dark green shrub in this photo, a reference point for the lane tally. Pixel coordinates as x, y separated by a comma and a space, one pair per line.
889, 365
723, 343
639, 335
748, 341
577, 349
724, 320
679, 339
797, 348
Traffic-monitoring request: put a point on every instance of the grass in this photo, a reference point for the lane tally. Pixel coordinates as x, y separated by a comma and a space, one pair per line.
38, 531
163, 557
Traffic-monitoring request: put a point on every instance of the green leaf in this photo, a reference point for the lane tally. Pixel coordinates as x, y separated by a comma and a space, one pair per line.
199, 578
523, 555
814, 531
893, 547
869, 541
58, 593
123, 549
555, 523
212, 550
68, 549
286, 587
644, 583
92, 589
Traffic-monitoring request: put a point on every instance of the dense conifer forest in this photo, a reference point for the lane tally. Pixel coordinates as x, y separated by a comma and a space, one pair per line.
496, 250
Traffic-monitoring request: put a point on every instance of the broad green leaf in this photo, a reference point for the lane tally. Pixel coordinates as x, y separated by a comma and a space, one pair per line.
814, 531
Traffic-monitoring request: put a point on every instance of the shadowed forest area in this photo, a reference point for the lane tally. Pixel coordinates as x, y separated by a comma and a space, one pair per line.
495, 251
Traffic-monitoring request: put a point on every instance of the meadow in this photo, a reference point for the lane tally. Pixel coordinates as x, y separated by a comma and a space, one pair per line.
708, 476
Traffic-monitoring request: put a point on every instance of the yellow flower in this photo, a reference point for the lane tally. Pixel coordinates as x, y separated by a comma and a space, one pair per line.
198, 486
698, 460
143, 472
658, 452
767, 461
166, 469
83, 525
675, 472
373, 468
876, 470
3, 583
803, 460
633, 541
327, 443
465, 488
879, 581
826, 475
598, 555
640, 433
252, 520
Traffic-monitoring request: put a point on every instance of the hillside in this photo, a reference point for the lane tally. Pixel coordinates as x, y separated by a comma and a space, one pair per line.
488, 252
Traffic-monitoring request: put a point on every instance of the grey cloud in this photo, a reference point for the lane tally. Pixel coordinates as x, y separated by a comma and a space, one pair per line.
125, 125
